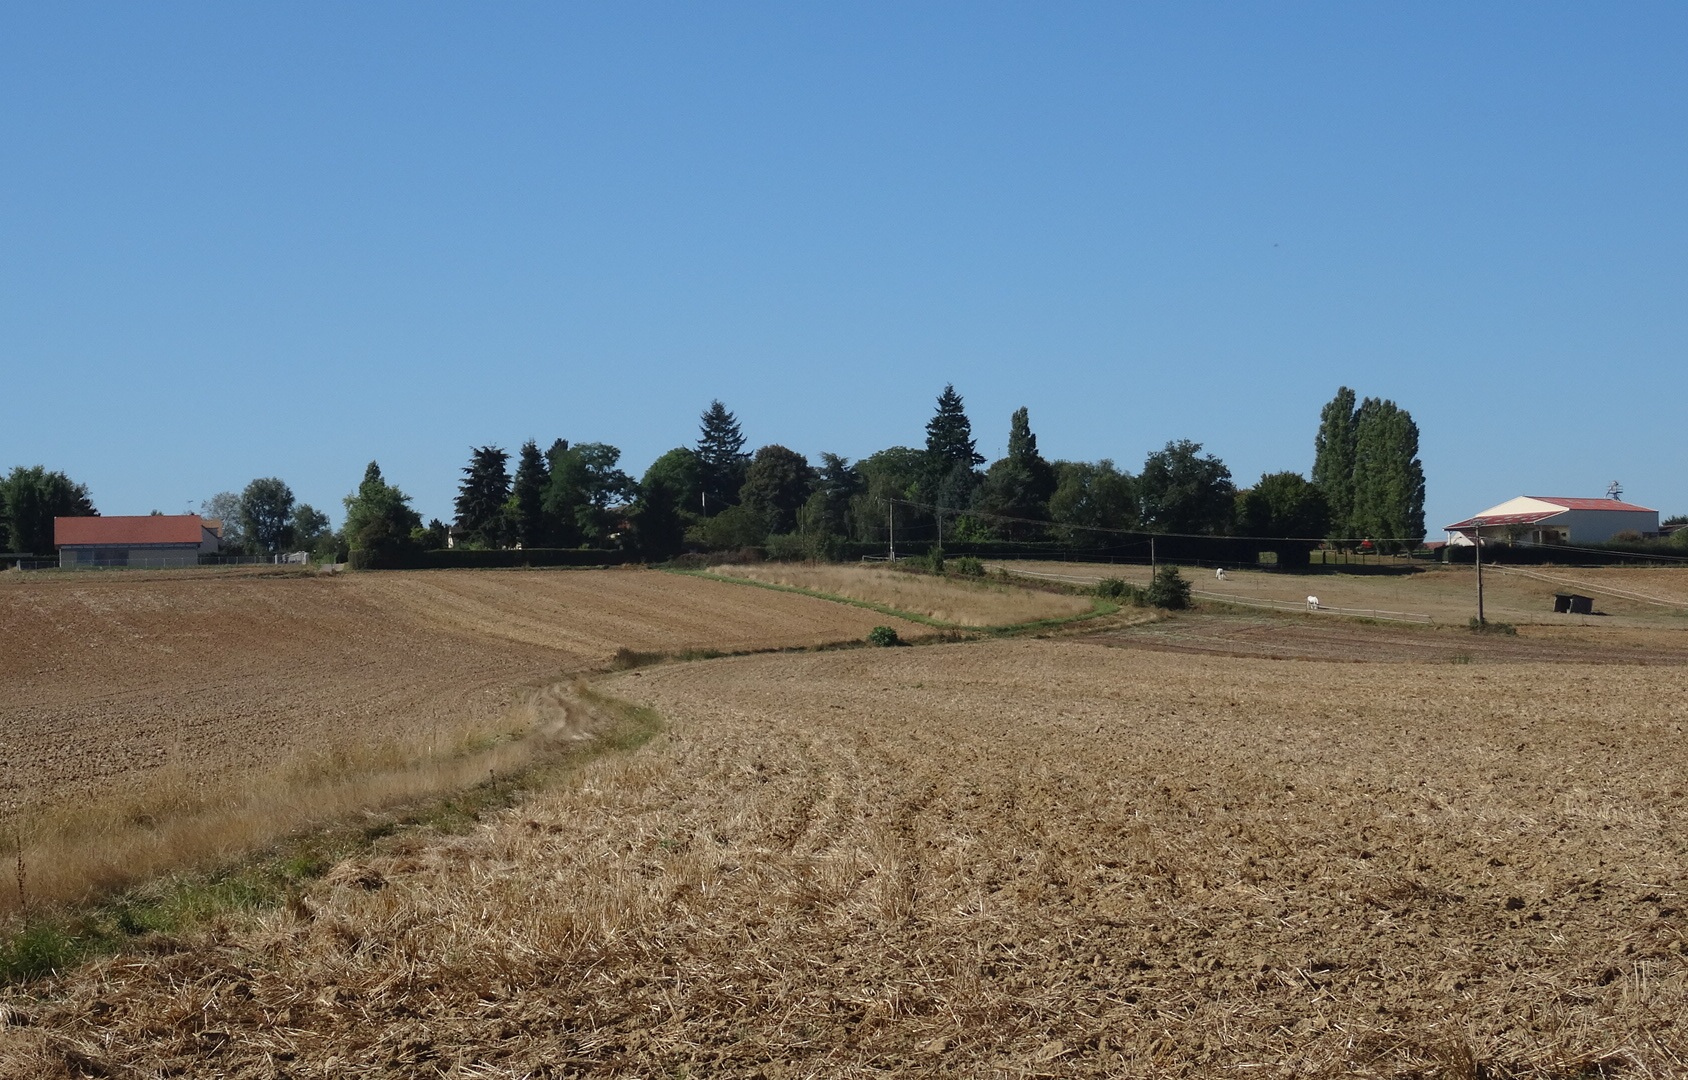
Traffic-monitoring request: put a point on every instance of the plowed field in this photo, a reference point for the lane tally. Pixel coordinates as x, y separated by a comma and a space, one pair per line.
1024, 858
106, 677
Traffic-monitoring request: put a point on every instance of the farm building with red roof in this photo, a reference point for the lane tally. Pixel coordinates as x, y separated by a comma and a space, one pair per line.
153, 540
1541, 519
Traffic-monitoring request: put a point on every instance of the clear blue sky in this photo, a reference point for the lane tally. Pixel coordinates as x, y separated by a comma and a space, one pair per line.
243, 240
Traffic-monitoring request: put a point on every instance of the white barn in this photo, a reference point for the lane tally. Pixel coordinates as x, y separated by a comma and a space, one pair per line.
1537, 519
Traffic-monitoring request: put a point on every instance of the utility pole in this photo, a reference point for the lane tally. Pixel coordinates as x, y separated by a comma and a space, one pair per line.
891, 509
1480, 575
1151, 558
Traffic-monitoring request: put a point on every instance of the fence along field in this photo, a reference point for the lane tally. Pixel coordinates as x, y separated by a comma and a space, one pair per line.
1005, 858
155, 719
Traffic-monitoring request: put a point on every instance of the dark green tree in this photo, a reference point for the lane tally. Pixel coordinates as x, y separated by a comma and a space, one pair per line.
266, 514
1182, 493
827, 511
1020, 485
1333, 461
721, 459
891, 476
527, 496
681, 473
379, 519
776, 485
1388, 477
1283, 504
481, 497
1091, 498
949, 479
659, 523
311, 530
32, 498
585, 484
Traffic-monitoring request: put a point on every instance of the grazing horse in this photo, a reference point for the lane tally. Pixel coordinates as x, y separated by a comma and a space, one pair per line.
1312, 603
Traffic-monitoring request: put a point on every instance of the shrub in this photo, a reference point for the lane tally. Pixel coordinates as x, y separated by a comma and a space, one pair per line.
883, 636
967, 566
935, 560
1504, 628
1168, 590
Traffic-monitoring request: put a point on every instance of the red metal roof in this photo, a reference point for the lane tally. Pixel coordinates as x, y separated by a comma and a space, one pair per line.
1590, 504
122, 531
1504, 519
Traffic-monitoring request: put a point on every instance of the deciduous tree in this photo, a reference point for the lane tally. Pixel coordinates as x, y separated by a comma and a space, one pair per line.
32, 497
1182, 493
266, 513
1092, 498
1020, 485
776, 485
1333, 461
1388, 477
379, 518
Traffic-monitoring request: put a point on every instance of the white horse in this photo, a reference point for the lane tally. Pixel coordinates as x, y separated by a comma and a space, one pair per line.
1220, 573
1312, 603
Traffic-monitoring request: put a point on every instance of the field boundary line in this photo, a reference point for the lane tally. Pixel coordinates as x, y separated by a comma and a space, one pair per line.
1414, 617
1098, 608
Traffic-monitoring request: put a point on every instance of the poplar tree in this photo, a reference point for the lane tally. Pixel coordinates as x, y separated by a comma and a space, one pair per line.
721, 458
1020, 485
1333, 461
1388, 476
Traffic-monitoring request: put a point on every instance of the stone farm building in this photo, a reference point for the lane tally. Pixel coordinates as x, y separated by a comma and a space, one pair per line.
1532, 519
153, 540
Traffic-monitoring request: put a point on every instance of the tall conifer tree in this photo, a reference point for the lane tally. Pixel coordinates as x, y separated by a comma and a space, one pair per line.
482, 494
721, 458
528, 493
950, 454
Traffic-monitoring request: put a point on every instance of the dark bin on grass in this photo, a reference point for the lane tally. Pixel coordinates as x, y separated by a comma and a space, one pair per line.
1571, 603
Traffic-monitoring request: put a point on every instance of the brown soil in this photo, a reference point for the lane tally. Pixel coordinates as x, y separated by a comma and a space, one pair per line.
1025, 858
107, 677
1316, 638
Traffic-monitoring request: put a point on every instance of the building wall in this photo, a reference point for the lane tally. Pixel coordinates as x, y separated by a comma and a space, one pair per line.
160, 555
1598, 526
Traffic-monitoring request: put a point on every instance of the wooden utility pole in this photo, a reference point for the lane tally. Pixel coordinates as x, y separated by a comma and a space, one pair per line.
891, 509
1479, 575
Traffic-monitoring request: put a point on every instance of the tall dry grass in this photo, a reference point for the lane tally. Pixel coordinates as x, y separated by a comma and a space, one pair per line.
946, 600
180, 818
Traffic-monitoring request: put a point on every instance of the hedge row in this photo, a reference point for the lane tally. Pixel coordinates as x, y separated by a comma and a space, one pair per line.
465, 559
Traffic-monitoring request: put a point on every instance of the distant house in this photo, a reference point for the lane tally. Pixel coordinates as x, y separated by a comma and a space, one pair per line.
1534, 519
153, 540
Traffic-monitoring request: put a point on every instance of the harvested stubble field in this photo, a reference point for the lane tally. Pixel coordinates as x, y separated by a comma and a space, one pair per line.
1638, 597
145, 695
1013, 858
955, 601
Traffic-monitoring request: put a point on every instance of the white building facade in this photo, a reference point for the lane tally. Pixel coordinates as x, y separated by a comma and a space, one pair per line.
1535, 519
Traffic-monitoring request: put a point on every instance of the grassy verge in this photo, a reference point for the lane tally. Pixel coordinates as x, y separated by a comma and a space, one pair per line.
40, 942
1098, 608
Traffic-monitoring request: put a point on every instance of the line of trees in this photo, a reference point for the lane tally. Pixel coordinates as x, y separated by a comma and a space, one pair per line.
716, 494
